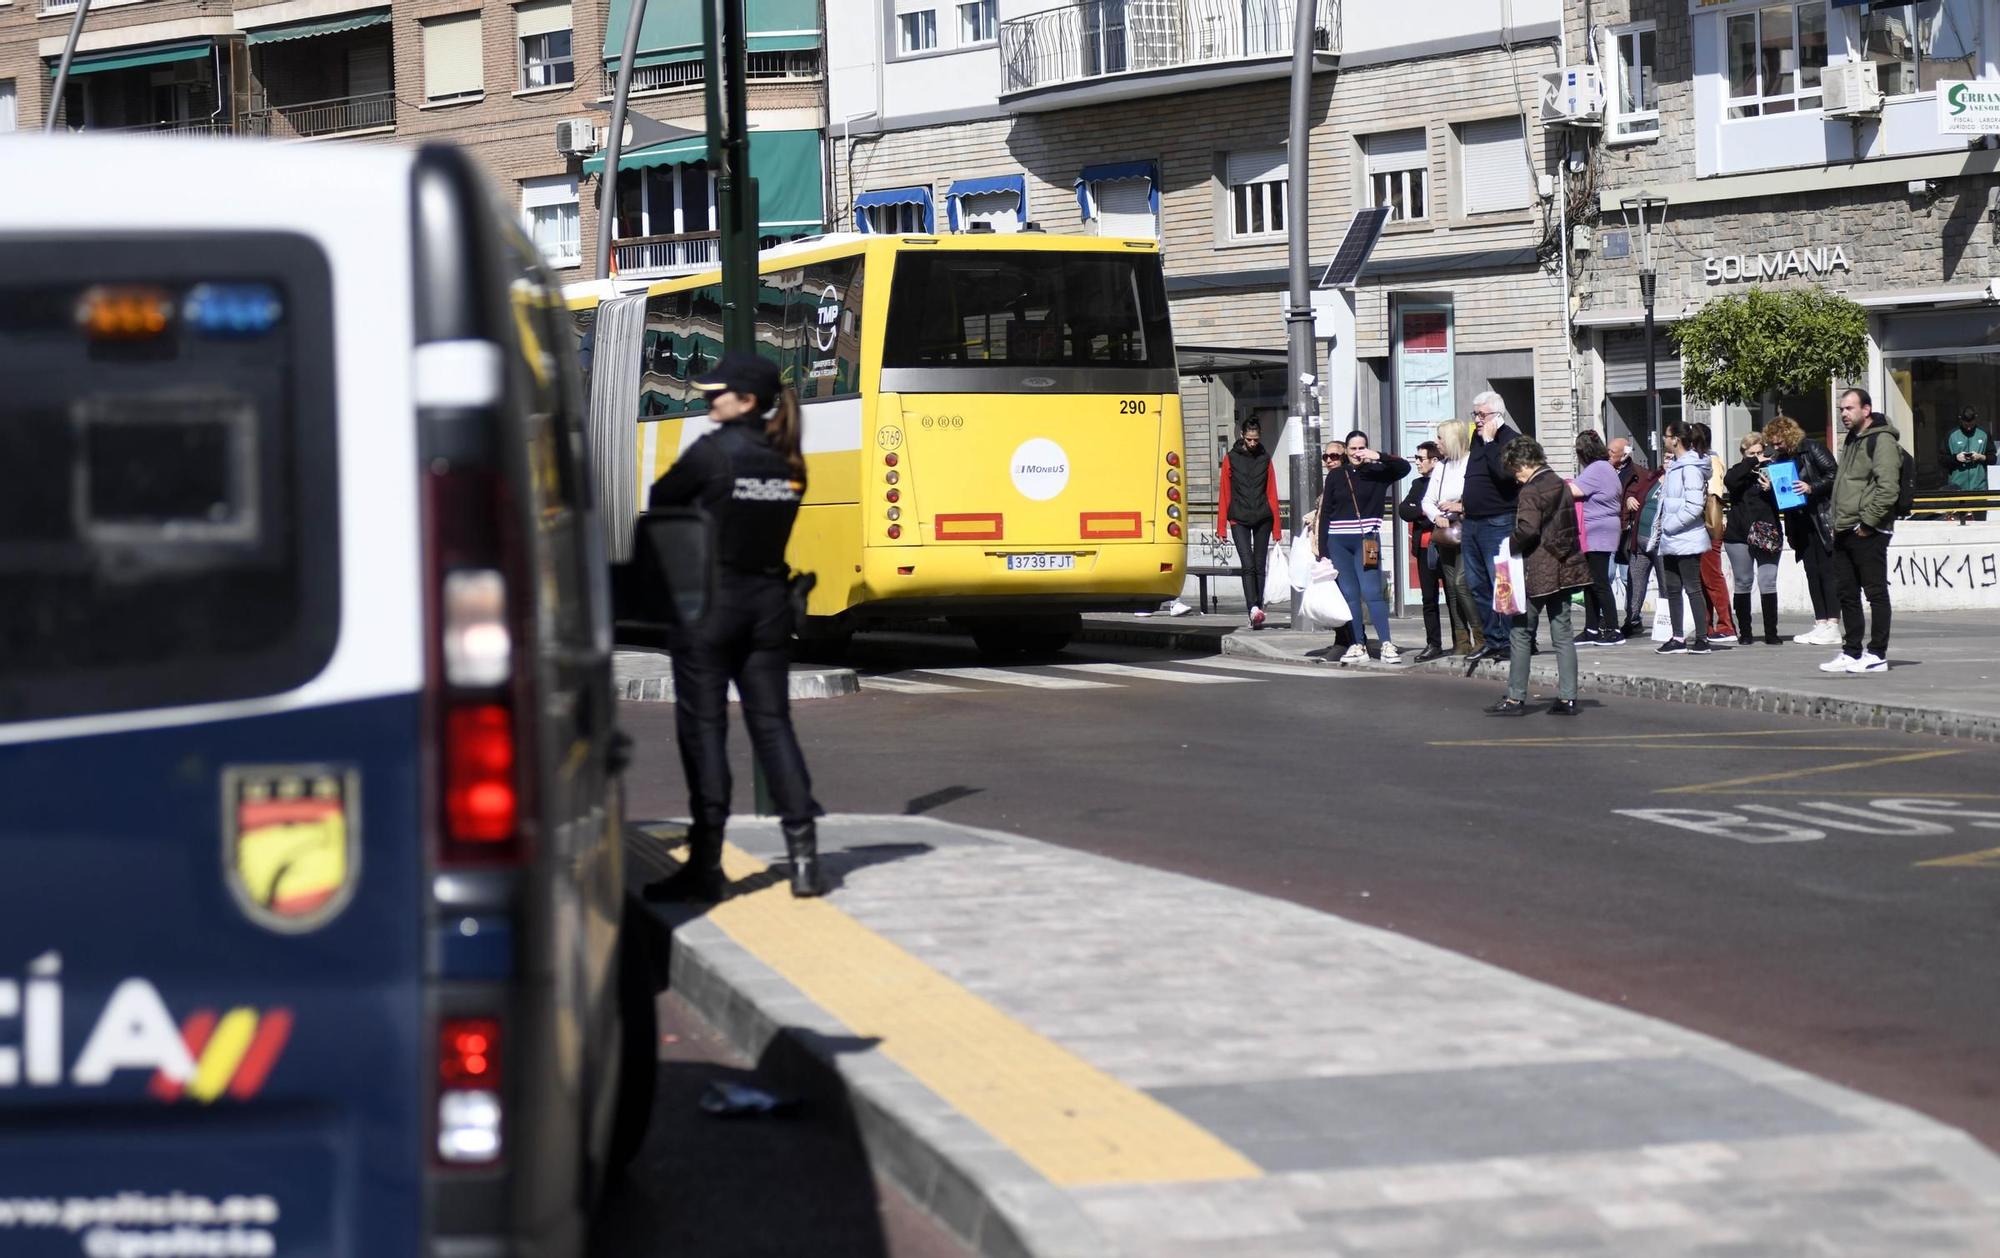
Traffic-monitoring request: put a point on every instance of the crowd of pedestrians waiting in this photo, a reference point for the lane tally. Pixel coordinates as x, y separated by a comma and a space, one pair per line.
1482, 487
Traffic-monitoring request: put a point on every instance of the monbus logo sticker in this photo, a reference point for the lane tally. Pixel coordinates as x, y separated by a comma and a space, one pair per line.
1040, 469
290, 842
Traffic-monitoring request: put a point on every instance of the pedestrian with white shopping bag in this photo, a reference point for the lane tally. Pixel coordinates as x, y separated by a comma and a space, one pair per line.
1546, 557
1248, 512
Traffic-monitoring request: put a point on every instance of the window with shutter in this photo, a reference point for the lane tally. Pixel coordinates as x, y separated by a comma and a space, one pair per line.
1000, 209
7, 106
1493, 173
551, 214
1257, 202
1398, 167
543, 29
453, 69
1124, 208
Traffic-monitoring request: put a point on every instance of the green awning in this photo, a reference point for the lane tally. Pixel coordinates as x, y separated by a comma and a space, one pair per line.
675, 26
671, 153
786, 165
325, 26
133, 58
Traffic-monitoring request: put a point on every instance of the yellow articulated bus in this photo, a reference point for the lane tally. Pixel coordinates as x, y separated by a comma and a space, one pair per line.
992, 426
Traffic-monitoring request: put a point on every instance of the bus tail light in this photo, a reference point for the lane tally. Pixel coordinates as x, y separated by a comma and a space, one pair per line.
1173, 530
1173, 459
895, 531
469, 1104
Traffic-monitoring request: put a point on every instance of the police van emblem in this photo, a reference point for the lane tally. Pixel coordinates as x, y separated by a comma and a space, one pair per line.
291, 847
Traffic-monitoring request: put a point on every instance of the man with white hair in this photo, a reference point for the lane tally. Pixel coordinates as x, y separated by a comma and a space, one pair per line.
1488, 510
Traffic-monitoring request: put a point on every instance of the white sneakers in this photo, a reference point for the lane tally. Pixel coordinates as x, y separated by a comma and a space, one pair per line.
1356, 654
1823, 633
1178, 608
1844, 663
1390, 655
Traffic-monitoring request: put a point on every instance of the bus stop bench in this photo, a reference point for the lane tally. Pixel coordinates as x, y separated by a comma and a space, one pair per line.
1203, 573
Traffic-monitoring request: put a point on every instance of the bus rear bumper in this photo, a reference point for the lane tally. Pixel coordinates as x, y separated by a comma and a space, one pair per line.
901, 582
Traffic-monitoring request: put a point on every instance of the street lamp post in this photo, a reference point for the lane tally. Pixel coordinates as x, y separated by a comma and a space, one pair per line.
1301, 392
1648, 287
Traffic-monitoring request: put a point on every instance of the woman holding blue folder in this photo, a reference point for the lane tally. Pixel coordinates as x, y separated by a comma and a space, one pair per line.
1809, 521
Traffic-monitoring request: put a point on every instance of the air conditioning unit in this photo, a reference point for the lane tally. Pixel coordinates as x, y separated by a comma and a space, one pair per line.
1851, 90
577, 137
1573, 97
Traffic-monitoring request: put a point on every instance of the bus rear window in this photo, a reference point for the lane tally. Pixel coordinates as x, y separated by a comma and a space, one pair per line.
168, 505
1027, 309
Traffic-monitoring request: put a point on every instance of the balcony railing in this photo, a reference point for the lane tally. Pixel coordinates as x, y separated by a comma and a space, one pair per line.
1094, 39
759, 67
58, 6
307, 119
657, 257
172, 126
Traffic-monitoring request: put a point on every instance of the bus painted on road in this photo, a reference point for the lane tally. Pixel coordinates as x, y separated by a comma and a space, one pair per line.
992, 422
313, 937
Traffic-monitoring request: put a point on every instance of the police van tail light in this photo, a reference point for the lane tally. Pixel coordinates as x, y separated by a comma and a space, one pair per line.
478, 647
469, 1106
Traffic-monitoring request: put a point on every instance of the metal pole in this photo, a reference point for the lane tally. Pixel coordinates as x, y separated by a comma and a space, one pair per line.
735, 190
607, 184
1646, 288
1301, 369
62, 67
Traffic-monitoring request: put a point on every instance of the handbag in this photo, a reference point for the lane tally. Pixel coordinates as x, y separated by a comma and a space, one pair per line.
1764, 535
1449, 531
1712, 516
1371, 553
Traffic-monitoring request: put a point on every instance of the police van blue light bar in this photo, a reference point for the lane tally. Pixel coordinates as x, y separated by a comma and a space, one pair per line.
232, 310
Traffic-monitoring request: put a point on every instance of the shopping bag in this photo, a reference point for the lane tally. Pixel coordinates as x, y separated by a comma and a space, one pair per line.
1277, 579
1324, 601
1663, 621
1620, 581
1302, 562
1510, 596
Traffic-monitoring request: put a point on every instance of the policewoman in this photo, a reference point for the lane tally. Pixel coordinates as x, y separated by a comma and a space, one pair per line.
749, 475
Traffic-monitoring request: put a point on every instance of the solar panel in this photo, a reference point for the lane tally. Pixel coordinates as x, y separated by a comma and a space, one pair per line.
1362, 233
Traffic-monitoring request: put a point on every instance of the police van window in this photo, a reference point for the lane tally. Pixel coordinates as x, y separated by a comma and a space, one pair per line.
555, 447
168, 497
826, 307
1028, 309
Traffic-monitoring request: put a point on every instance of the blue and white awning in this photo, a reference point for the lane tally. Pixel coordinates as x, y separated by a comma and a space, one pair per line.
962, 188
895, 196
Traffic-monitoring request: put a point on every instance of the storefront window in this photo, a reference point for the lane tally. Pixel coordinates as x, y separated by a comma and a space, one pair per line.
1926, 393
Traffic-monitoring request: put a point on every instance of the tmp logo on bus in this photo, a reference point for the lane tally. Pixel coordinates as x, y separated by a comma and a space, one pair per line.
204, 1057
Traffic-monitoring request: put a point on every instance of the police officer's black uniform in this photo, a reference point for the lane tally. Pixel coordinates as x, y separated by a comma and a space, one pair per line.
752, 494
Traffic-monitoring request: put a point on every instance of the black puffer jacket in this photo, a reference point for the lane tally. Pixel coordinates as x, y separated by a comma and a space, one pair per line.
1817, 469
1749, 502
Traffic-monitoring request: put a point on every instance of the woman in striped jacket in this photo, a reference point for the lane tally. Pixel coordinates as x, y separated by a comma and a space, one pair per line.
1358, 481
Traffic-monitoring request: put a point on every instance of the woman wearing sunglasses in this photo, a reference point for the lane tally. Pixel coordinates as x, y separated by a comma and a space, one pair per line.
1358, 480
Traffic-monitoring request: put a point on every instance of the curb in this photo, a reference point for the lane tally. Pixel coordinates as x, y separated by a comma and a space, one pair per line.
645, 677
1901, 717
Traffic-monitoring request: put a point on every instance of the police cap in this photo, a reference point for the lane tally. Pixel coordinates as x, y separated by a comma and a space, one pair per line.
739, 372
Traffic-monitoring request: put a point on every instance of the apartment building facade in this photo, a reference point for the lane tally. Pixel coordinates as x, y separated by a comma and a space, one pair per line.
494, 76
1168, 119
1719, 107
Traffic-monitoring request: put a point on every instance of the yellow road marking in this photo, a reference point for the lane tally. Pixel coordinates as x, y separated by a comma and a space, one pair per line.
1991, 856
1072, 1122
223, 1054
1698, 787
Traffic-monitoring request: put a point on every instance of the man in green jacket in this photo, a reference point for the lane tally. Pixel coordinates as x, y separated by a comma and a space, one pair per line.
1864, 514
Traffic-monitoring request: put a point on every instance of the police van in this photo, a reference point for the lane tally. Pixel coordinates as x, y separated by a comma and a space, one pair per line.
313, 930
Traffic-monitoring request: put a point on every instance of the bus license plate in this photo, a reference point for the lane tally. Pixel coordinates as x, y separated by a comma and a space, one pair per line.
1041, 563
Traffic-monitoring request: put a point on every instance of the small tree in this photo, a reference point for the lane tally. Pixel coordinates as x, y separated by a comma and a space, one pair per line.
1740, 348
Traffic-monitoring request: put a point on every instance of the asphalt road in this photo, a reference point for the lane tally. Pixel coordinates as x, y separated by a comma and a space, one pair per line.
1762, 895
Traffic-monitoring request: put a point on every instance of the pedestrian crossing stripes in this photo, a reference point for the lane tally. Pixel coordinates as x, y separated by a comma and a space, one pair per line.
1099, 676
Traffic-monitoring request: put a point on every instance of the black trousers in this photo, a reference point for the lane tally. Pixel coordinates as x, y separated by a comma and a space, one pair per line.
1680, 573
1599, 611
1430, 583
1822, 579
1253, 549
1862, 564
743, 639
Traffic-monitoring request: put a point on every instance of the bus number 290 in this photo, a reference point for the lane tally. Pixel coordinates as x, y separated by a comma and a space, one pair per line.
1132, 406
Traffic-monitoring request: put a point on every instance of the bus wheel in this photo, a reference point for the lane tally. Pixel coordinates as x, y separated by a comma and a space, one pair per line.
639, 1046
824, 646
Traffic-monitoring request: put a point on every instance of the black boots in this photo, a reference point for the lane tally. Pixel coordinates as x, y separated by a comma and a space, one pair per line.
802, 845
700, 878
1771, 637
1744, 633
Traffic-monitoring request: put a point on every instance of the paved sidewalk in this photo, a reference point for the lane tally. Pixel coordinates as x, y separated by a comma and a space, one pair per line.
1063, 1055
1944, 669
